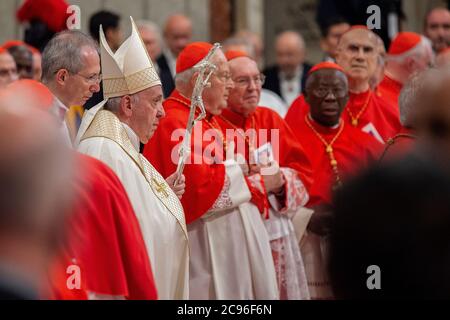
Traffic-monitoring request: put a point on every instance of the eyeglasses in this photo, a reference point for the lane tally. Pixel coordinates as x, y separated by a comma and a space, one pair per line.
323, 92
245, 82
94, 79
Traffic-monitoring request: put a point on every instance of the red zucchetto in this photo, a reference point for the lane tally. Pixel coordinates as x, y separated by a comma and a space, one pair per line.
191, 55
403, 42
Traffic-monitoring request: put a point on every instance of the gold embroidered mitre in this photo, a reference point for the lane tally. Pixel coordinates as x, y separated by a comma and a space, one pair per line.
128, 70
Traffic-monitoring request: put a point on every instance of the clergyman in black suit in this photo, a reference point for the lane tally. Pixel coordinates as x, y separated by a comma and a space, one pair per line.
288, 77
177, 35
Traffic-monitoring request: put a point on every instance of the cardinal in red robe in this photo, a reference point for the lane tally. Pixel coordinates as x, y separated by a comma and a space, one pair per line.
408, 54
230, 249
336, 150
105, 245
256, 130
322, 129
357, 54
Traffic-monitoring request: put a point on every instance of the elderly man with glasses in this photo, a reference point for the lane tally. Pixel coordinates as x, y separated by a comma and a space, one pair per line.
279, 169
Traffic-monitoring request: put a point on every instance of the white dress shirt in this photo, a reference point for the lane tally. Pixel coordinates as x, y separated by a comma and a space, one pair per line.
59, 110
291, 88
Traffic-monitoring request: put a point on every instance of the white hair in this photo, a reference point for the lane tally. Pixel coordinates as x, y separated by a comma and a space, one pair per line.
407, 99
184, 77
113, 104
416, 53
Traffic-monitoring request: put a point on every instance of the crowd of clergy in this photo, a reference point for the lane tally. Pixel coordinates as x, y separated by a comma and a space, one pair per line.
299, 179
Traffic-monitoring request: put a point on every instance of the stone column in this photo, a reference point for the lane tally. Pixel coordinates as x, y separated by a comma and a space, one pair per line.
296, 15
249, 15
9, 28
220, 20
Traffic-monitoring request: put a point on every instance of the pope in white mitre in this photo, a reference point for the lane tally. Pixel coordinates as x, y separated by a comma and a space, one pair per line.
112, 132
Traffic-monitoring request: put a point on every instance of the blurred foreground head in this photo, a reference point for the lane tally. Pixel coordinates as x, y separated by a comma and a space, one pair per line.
432, 115
35, 168
392, 231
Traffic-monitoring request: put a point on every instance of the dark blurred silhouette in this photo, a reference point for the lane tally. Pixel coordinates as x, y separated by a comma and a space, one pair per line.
396, 217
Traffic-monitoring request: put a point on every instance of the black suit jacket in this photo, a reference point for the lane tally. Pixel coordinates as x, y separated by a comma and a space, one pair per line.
96, 98
273, 81
165, 75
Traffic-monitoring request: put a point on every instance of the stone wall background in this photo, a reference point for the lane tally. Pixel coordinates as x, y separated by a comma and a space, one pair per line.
267, 17
155, 10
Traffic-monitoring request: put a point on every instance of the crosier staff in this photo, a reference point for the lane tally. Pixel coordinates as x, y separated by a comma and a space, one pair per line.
205, 69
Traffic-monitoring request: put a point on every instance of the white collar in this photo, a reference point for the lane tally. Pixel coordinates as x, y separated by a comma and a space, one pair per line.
133, 136
169, 55
59, 109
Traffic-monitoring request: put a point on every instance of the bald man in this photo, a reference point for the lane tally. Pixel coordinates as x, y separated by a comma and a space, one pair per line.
357, 54
8, 69
437, 28
177, 35
287, 78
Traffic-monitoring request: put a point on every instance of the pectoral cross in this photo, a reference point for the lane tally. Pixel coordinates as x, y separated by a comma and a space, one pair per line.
160, 188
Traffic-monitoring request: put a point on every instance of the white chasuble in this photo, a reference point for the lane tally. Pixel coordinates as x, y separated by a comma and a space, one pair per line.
157, 208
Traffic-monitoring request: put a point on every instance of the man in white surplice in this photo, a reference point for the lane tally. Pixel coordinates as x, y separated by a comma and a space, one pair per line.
112, 132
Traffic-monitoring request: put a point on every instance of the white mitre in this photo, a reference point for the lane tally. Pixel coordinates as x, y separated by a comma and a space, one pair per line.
130, 69
127, 71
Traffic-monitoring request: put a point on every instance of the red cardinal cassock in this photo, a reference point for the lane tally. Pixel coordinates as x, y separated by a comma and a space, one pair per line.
230, 249
335, 153
352, 148
399, 146
389, 89
270, 128
294, 164
262, 130
104, 242
366, 111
